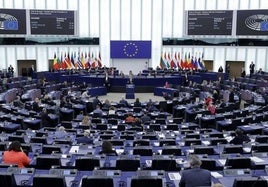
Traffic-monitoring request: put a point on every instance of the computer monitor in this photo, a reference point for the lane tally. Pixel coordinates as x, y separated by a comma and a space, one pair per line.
209, 150
146, 182
238, 163
46, 162
97, 181
45, 180
253, 182
48, 149
7, 180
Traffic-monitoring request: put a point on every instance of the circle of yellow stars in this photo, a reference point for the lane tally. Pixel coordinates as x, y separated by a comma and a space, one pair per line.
128, 48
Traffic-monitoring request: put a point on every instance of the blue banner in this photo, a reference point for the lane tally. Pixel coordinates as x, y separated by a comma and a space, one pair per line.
131, 49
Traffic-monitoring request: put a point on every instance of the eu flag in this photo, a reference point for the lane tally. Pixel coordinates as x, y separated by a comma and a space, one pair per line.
131, 49
264, 26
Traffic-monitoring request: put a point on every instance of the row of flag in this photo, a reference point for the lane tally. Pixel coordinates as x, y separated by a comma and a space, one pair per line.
182, 61
76, 60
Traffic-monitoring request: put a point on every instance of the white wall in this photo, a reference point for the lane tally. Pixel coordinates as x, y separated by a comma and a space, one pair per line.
134, 20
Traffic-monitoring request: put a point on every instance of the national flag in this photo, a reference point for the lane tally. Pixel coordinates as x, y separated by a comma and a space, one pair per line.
179, 60
99, 61
162, 62
80, 65
166, 60
59, 62
83, 61
55, 62
189, 66
93, 63
203, 61
172, 62
72, 60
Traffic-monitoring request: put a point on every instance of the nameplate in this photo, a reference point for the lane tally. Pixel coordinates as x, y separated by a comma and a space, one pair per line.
148, 173
63, 172
107, 173
236, 172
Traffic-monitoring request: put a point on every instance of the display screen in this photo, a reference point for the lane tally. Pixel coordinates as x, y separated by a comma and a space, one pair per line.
52, 22
252, 22
210, 22
12, 21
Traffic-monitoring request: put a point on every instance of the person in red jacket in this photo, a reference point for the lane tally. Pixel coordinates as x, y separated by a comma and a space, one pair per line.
15, 155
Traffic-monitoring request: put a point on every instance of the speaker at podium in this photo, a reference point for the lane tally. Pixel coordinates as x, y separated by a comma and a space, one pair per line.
130, 91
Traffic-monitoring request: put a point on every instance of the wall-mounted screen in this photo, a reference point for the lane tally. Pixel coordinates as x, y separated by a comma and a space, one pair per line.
209, 22
52, 22
12, 21
252, 22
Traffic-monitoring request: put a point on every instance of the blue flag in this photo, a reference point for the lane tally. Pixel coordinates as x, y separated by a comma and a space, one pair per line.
131, 49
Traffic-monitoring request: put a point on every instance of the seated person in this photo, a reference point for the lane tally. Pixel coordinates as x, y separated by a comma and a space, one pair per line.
98, 112
106, 105
145, 118
195, 176
124, 102
137, 123
208, 100
211, 108
35, 105
46, 120
166, 85
86, 139
111, 110
85, 95
15, 155
61, 133
239, 138
129, 118
107, 149
137, 103
18, 103
86, 121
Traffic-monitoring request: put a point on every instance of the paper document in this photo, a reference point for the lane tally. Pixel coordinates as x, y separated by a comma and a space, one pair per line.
74, 149
222, 161
216, 175
174, 176
256, 159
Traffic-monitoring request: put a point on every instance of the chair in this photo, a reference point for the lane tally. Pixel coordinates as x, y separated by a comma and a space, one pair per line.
160, 121
46, 162
261, 139
146, 182
112, 121
86, 163
238, 163
164, 164
96, 120
141, 142
209, 164
193, 135
127, 164
209, 150
101, 127
143, 151
250, 181
3, 146
97, 181
260, 148
45, 180
233, 149
7, 180
190, 141
16, 138
155, 127
48, 149
42, 140
171, 150
216, 141
117, 142
167, 142
67, 124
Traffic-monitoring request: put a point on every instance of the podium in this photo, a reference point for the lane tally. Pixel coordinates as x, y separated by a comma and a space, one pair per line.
130, 91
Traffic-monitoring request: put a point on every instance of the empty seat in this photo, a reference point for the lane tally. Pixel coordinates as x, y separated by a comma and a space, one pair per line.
46, 162
127, 164
86, 163
165, 164
171, 150
143, 151
238, 163
146, 182
45, 180
99, 181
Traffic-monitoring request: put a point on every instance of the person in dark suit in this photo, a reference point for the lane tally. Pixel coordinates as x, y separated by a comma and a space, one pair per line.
46, 120
195, 176
239, 138
35, 105
96, 102
137, 103
231, 96
124, 102
86, 139
107, 149
251, 68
